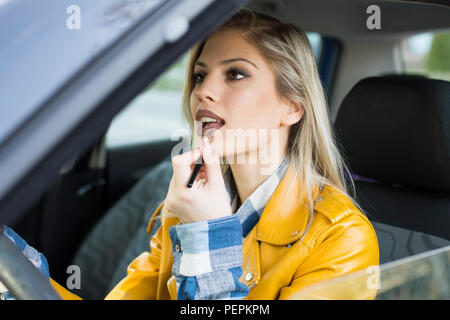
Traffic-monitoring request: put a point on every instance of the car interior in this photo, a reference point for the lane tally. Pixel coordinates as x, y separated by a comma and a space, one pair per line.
393, 127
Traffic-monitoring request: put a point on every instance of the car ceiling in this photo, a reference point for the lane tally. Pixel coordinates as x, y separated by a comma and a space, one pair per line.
347, 18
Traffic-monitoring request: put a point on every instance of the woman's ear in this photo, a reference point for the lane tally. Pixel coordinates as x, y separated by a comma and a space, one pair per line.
292, 114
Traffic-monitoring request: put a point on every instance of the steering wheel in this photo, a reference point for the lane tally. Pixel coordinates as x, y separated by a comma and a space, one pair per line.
20, 276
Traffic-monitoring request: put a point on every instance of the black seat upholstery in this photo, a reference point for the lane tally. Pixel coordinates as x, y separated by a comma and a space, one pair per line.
395, 135
121, 235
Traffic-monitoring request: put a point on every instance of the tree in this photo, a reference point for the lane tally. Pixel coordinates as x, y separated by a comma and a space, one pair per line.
439, 56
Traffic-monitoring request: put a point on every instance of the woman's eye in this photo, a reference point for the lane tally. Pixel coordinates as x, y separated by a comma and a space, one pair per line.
237, 73
232, 74
196, 76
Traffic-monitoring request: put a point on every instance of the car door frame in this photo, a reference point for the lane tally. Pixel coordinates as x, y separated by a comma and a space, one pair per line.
79, 113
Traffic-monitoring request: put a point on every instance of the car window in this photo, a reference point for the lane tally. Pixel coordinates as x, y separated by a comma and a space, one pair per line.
43, 43
316, 43
427, 54
156, 113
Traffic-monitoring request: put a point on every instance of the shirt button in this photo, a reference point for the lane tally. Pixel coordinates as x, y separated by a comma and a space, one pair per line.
177, 247
248, 276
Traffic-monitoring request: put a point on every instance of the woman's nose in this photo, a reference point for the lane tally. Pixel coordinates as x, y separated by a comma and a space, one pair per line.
207, 89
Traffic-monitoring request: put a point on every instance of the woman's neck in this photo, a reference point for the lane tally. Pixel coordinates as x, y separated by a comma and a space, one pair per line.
248, 177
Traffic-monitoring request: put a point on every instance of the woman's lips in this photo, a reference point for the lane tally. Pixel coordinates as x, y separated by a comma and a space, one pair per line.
208, 121
209, 127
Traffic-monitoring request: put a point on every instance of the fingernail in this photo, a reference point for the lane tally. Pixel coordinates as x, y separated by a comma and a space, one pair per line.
206, 141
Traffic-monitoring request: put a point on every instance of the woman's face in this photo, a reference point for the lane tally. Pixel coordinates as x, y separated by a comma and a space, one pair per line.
234, 86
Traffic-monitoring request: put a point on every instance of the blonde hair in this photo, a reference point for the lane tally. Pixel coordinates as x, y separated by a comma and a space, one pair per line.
311, 148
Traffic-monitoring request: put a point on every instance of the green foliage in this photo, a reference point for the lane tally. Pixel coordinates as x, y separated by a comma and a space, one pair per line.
439, 56
173, 78
168, 84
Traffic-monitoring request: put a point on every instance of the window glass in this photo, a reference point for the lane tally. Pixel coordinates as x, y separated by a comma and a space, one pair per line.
427, 54
316, 43
45, 42
156, 113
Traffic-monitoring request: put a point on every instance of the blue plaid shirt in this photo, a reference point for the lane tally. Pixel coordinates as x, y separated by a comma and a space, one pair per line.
208, 254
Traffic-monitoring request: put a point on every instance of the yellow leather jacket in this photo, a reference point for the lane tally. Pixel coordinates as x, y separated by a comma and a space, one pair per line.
283, 254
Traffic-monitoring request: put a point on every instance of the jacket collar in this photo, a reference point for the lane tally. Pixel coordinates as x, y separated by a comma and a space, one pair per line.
286, 215
284, 219
250, 211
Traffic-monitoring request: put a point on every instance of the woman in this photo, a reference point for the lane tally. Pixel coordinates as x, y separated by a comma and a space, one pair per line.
251, 233
268, 216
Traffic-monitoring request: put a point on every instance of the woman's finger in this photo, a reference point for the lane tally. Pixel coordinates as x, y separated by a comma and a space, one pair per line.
182, 166
201, 174
212, 163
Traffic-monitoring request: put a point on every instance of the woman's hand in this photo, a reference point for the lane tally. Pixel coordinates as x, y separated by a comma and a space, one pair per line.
203, 201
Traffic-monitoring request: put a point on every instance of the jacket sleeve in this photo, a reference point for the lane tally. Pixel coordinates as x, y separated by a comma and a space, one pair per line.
63, 292
142, 277
347, 246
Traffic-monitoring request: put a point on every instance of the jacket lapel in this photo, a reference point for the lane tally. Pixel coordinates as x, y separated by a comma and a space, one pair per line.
286, 215
283, 221
251, 266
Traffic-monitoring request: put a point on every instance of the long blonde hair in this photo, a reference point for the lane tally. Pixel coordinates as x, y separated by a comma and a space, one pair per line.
311, 143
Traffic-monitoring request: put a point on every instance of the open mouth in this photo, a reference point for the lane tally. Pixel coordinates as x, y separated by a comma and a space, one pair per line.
209, 121
210, 124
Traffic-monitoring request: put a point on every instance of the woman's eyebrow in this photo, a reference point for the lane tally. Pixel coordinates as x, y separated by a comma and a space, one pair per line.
200, 63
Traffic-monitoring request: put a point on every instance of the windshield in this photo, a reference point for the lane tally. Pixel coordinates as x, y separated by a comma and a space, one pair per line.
45, 42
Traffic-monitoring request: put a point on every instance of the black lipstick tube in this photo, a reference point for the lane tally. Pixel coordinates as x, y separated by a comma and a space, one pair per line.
197, 166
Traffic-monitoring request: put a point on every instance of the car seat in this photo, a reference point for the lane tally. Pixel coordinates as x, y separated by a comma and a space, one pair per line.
120, 236
395, 134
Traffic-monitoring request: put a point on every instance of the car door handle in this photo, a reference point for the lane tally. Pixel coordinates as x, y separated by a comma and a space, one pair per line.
86, 188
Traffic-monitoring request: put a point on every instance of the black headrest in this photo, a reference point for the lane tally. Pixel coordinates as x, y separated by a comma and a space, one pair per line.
396, 129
